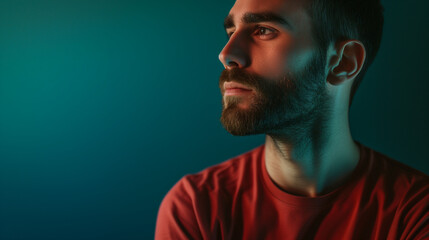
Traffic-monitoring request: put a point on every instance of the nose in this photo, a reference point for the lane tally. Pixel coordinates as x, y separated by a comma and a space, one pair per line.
235, 53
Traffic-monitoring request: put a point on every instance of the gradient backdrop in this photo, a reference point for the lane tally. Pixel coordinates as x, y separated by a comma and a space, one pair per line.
104, 105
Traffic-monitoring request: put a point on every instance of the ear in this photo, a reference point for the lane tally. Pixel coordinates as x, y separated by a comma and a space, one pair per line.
346, 61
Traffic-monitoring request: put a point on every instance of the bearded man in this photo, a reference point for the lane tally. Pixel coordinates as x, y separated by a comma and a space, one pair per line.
291, 70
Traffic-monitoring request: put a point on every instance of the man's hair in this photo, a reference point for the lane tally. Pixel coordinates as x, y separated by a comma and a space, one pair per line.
337, 20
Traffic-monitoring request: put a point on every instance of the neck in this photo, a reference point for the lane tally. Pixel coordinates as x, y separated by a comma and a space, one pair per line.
315, 161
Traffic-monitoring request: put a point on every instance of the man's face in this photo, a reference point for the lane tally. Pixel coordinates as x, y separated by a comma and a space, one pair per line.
274, 72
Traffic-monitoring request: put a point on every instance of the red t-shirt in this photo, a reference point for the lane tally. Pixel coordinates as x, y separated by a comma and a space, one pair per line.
382, 199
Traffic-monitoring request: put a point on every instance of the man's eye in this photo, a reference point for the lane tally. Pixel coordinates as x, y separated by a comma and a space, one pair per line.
265, 33
262, 32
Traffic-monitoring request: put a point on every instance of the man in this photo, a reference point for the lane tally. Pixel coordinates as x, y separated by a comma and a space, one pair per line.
291, 70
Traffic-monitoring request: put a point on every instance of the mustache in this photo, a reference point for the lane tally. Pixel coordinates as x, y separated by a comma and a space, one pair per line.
250, 80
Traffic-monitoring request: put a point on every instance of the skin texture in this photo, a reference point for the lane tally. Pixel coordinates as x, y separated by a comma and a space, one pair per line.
299, 95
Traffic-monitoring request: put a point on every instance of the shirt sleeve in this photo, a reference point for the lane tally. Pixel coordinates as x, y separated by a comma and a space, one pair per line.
177, 215
412, 218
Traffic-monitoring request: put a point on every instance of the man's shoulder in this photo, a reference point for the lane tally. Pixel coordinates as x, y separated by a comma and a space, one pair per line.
186, 210
402, 191
227, 173
393, 169
221, 181
395, 180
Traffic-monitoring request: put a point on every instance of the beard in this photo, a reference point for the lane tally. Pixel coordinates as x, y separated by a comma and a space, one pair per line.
290, 104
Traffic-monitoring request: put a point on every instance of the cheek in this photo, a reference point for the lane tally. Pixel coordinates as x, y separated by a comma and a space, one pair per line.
273, 61
301, 59
286, 61
277, 58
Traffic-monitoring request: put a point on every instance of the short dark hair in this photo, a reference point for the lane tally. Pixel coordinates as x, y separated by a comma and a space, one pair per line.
337, 20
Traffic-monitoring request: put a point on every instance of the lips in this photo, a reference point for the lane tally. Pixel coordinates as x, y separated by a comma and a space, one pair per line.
232, 85
234, 88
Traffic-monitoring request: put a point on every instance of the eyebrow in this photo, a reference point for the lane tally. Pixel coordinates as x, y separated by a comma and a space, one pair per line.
256, 18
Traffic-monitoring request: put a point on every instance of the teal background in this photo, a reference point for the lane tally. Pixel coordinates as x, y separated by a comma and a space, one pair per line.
104, 105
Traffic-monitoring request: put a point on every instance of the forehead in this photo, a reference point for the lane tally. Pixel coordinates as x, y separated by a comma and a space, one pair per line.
294, 10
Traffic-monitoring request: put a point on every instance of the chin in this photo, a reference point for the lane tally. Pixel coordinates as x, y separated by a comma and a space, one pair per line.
241, 122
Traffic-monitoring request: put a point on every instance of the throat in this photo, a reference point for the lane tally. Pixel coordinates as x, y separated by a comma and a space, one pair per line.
309, 169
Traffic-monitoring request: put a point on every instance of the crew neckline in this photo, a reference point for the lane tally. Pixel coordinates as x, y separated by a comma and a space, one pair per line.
296, 200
